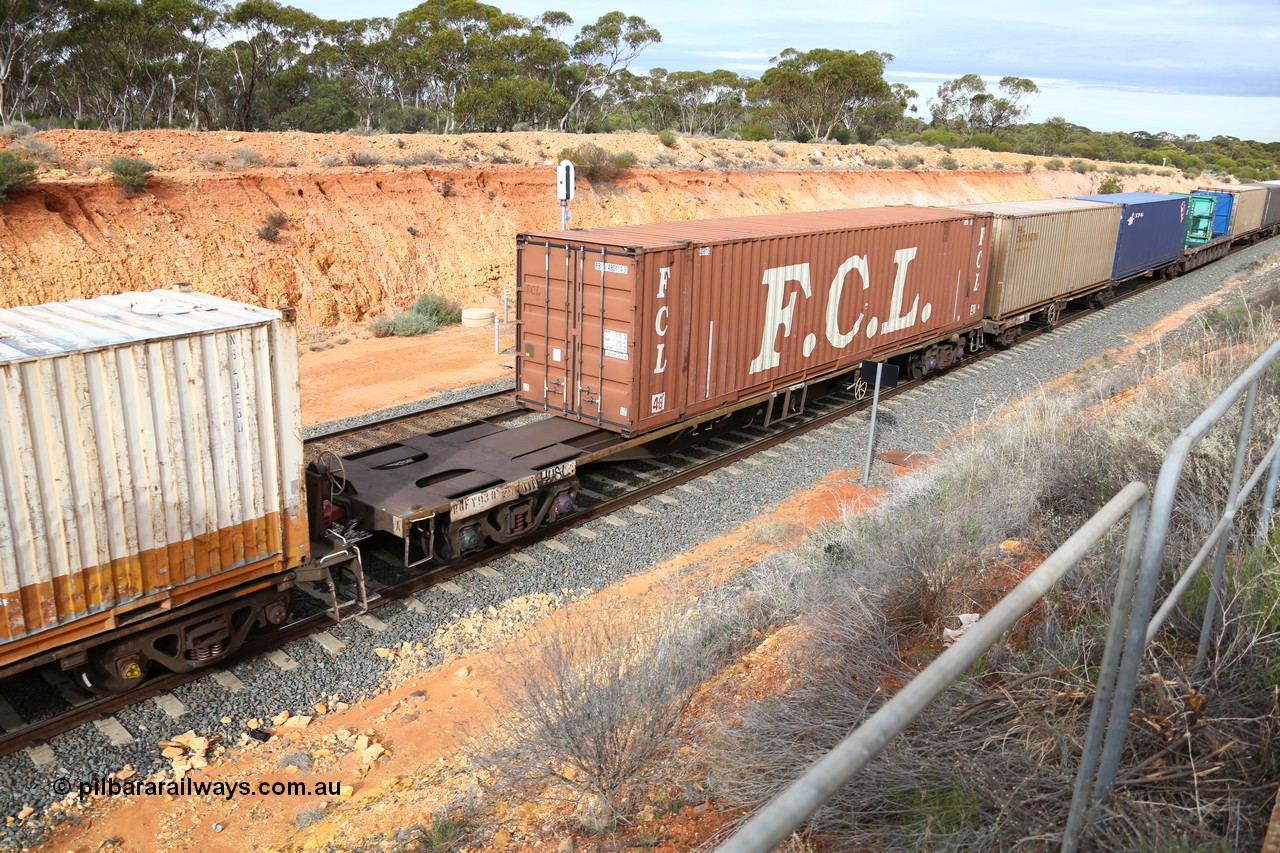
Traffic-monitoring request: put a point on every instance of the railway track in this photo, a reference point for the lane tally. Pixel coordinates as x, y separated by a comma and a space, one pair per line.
605, 488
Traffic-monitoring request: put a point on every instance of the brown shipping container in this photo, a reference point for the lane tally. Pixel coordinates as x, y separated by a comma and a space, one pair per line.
1246, 213
638, 327
1045, 250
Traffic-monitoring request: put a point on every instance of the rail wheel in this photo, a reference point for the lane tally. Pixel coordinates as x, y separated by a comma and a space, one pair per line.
915, 366
1053, 314
1104, 297
98, 676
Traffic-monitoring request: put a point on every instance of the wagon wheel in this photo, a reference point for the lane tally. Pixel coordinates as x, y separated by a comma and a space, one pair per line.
915, 366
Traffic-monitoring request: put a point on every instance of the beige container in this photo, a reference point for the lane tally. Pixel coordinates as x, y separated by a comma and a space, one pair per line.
150, 455
1046, 250
1246, 213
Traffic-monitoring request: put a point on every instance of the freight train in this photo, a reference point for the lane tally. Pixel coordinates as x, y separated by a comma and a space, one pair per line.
156, 512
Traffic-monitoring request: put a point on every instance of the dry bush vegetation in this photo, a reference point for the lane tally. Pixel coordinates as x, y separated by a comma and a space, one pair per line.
595, 713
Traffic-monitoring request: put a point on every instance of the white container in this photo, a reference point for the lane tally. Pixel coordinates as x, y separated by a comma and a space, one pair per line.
150, 454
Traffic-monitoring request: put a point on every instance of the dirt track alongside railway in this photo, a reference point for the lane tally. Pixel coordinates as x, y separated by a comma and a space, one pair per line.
362, 240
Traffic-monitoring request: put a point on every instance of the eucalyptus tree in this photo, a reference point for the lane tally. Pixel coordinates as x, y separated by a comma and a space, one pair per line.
600, 51
966, 105
814, 92
274, 38
27, 48
440, 44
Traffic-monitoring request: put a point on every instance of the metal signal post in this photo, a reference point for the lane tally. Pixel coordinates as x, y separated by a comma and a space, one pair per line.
564, 190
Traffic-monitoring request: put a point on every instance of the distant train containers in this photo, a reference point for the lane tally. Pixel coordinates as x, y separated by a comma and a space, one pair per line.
1248, 205
1152, 227
1042, 252
150, 459
635, 328
1271, 214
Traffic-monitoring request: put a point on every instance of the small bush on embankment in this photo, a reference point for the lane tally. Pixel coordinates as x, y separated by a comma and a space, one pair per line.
15, 173
425, 315
991, 764
130, 174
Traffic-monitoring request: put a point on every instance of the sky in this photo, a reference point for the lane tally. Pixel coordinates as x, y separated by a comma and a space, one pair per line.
1176, 66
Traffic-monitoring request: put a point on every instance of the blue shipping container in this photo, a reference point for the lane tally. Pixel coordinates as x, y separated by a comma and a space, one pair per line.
1151, 229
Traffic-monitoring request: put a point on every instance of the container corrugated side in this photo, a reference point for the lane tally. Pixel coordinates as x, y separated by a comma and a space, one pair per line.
1045, 250
1271, 211
150, 453
1151, 231
1249, 205
665, 322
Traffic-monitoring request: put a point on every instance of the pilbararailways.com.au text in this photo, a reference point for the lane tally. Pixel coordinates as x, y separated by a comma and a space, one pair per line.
188, 787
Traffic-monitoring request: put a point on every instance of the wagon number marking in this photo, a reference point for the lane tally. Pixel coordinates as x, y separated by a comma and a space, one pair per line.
507, 492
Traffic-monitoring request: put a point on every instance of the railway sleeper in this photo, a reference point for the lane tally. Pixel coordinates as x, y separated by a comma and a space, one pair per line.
179, 646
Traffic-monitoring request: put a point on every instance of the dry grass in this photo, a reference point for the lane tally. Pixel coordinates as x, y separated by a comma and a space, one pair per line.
991, 765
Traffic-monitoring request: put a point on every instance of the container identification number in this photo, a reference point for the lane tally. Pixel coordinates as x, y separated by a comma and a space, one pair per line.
507, 492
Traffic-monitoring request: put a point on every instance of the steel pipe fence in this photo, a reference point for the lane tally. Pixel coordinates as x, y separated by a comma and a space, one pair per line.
1130, 629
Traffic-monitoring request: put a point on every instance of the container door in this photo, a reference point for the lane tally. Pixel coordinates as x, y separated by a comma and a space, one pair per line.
546, 343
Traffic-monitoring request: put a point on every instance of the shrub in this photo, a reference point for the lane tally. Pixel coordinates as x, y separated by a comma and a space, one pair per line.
909, 161
443, 311
129, 173
212, 159
1110, 185
885, 142
625, 159
1080, 167
1053, 165
756, 132
246, 156
366, 158
36, 148
15, 173
780, 150
1029, 166
668, 138
594, 705
596, 163
382, 327
429, 156
268, 233
948, 163
407, 324
331, 160
883, 163
16, 130
998, 166
277, 219
663, 160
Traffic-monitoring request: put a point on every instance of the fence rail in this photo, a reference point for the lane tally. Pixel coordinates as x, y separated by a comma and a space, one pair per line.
1131, 627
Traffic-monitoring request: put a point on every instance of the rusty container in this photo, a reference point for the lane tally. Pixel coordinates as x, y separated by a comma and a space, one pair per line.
1043, 251
150, 455
1250, 205
641, 327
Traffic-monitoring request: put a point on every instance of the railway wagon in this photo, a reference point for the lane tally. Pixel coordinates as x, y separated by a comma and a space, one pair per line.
1151, 231
1248, 205
151, 508
635, 328
1044, 253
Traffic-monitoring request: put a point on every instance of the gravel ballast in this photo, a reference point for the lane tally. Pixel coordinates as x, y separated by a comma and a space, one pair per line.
917, 422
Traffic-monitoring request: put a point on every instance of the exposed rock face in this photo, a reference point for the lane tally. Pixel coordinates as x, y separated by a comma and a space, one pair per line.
359, 241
